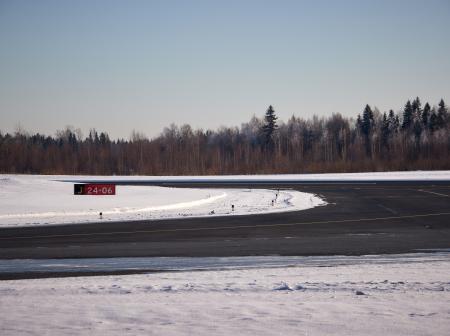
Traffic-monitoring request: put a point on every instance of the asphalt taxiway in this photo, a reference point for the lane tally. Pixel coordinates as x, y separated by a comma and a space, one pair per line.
360, 218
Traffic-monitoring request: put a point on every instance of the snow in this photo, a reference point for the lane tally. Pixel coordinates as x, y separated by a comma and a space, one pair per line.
336, 295
40, 200
433, 175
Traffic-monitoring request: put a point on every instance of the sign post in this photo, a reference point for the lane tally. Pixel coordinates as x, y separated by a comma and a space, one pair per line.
94, 189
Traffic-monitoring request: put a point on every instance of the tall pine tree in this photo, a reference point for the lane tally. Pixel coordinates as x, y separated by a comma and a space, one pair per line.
441, 114
367, 121
366, 127
416, 107
407, 115
393, 122
433, 123
426, 115
417, 119
385, 130
269, 127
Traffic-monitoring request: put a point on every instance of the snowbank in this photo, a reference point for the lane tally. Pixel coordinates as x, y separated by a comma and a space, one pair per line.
384, 295
434, 175
40, 200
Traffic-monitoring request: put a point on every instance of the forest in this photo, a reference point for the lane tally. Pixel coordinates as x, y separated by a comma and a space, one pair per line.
414, 138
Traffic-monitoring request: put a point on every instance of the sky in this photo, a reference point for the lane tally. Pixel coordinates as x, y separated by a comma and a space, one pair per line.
120, 66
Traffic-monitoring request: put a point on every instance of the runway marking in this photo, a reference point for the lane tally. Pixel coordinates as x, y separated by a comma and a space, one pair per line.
228, 227
384, 196
432, 192
387, 209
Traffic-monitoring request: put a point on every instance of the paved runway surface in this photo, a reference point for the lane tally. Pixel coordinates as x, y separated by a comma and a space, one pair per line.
361, 218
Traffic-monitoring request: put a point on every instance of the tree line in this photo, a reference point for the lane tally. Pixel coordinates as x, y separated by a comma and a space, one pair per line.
418, 137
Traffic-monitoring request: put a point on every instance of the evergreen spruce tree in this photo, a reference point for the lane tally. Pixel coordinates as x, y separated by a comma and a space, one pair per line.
366, 127
433, 123
417, 129
417, 119
385, 130
407, 115
269, 127
367, 120
397, 124
416, 106
441, 115
393, 122
426, 115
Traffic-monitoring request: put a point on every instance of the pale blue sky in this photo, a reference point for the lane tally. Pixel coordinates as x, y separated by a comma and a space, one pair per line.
124, 65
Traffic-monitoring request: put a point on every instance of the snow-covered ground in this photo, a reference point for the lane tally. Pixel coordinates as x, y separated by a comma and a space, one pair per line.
368, 295
420, 175
40, 200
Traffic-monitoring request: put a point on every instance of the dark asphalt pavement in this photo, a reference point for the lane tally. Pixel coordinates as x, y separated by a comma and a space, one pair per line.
359, 219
